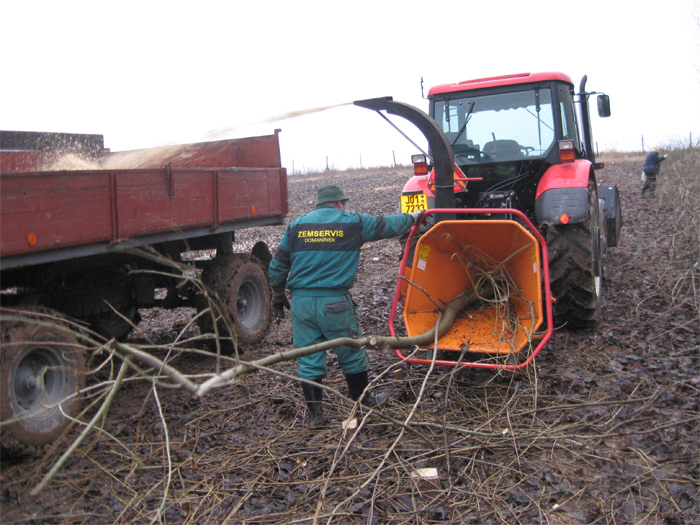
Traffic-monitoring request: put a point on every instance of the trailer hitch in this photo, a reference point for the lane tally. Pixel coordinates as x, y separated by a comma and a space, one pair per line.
438, 145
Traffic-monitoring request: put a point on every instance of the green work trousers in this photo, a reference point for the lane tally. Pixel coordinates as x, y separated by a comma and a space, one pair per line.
318, 319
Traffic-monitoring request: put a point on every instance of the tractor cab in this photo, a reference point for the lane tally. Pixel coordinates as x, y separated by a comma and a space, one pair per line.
505, 132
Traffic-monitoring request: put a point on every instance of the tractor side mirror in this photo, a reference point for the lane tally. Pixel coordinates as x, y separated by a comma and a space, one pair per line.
603, 105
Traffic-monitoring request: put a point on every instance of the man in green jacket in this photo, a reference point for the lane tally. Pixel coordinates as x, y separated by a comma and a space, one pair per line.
317, 260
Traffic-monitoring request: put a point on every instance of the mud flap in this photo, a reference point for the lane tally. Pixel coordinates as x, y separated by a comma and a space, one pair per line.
613, 214
556, 202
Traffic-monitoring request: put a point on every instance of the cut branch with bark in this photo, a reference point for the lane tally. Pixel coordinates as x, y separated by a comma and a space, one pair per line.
448, 316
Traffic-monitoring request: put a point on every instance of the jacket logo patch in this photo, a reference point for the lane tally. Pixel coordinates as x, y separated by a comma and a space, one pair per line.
320, 235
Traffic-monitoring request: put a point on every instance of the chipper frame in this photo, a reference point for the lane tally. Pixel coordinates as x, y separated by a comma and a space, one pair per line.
496, 257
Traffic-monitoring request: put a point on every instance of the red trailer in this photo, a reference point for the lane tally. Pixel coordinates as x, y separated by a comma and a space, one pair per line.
68, 240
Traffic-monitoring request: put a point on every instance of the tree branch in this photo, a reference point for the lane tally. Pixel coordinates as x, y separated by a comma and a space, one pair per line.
447, 319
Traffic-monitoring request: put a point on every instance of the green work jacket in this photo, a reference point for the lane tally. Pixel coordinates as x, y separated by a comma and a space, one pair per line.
320, 251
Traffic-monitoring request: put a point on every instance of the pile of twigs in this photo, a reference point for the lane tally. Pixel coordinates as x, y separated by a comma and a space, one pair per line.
501, 452
500, 449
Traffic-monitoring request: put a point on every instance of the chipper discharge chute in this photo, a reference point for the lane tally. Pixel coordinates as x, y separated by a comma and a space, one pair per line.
499, 268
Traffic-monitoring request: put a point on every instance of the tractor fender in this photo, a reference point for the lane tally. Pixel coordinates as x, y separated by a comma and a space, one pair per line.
563, 190
570, 175
418, 184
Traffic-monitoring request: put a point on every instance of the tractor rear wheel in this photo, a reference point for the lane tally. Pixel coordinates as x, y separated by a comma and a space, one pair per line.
576, 268
42, 372
241, 284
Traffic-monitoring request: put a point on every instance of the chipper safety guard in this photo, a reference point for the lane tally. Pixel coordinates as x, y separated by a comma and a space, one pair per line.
501, 265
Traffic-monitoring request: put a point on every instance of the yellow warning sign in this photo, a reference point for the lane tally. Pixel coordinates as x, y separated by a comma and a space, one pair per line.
424, 252
423, 255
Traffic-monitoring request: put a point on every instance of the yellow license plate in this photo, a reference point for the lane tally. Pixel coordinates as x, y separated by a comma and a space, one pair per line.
414, 202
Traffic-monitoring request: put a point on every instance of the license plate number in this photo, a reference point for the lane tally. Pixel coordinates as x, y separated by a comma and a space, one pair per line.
414, 202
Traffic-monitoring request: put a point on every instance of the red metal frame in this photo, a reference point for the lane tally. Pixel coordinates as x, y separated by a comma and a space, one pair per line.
545, 275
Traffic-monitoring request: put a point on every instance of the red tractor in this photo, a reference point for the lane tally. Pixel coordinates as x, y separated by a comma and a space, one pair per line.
517, 142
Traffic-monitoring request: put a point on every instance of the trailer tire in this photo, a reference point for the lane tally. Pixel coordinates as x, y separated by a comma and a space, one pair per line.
576, 269
42, 373
241, 284
112, 325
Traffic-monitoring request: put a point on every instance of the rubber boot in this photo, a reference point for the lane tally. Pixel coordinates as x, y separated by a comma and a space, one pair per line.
357, 383
314, 399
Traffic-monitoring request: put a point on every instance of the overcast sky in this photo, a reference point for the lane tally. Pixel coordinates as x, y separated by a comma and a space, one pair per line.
148, 73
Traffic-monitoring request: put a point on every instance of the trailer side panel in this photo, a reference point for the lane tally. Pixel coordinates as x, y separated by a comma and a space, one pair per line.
51, 210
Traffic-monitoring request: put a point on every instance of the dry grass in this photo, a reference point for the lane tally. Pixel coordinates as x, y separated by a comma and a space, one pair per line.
621, 156
679, 190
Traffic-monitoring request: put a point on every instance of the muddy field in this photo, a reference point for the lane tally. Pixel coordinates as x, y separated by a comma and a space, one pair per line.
603, 429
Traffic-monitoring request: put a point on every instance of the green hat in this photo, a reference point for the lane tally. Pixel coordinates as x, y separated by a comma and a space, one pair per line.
329, 193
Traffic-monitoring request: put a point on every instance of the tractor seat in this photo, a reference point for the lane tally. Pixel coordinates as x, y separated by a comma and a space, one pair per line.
468, 150
503, 150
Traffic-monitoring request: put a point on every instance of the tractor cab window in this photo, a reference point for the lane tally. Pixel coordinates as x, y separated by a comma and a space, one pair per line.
497, 127
569, 125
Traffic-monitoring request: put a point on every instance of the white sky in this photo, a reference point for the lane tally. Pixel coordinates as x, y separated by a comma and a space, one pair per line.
148, 73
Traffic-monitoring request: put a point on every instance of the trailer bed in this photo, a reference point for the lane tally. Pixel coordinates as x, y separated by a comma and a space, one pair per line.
48, 216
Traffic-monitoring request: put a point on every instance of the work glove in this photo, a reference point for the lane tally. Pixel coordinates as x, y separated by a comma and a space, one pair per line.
279, 303
416, 215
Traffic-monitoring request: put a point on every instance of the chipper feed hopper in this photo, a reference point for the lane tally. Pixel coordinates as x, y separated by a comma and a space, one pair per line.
499, 268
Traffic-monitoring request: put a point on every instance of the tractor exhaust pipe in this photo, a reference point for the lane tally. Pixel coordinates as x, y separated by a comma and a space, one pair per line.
586, 120
438, 145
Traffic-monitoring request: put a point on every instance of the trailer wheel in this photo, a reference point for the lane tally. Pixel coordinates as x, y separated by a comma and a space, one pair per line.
576, 268
41, 376
111, 325
241, 284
